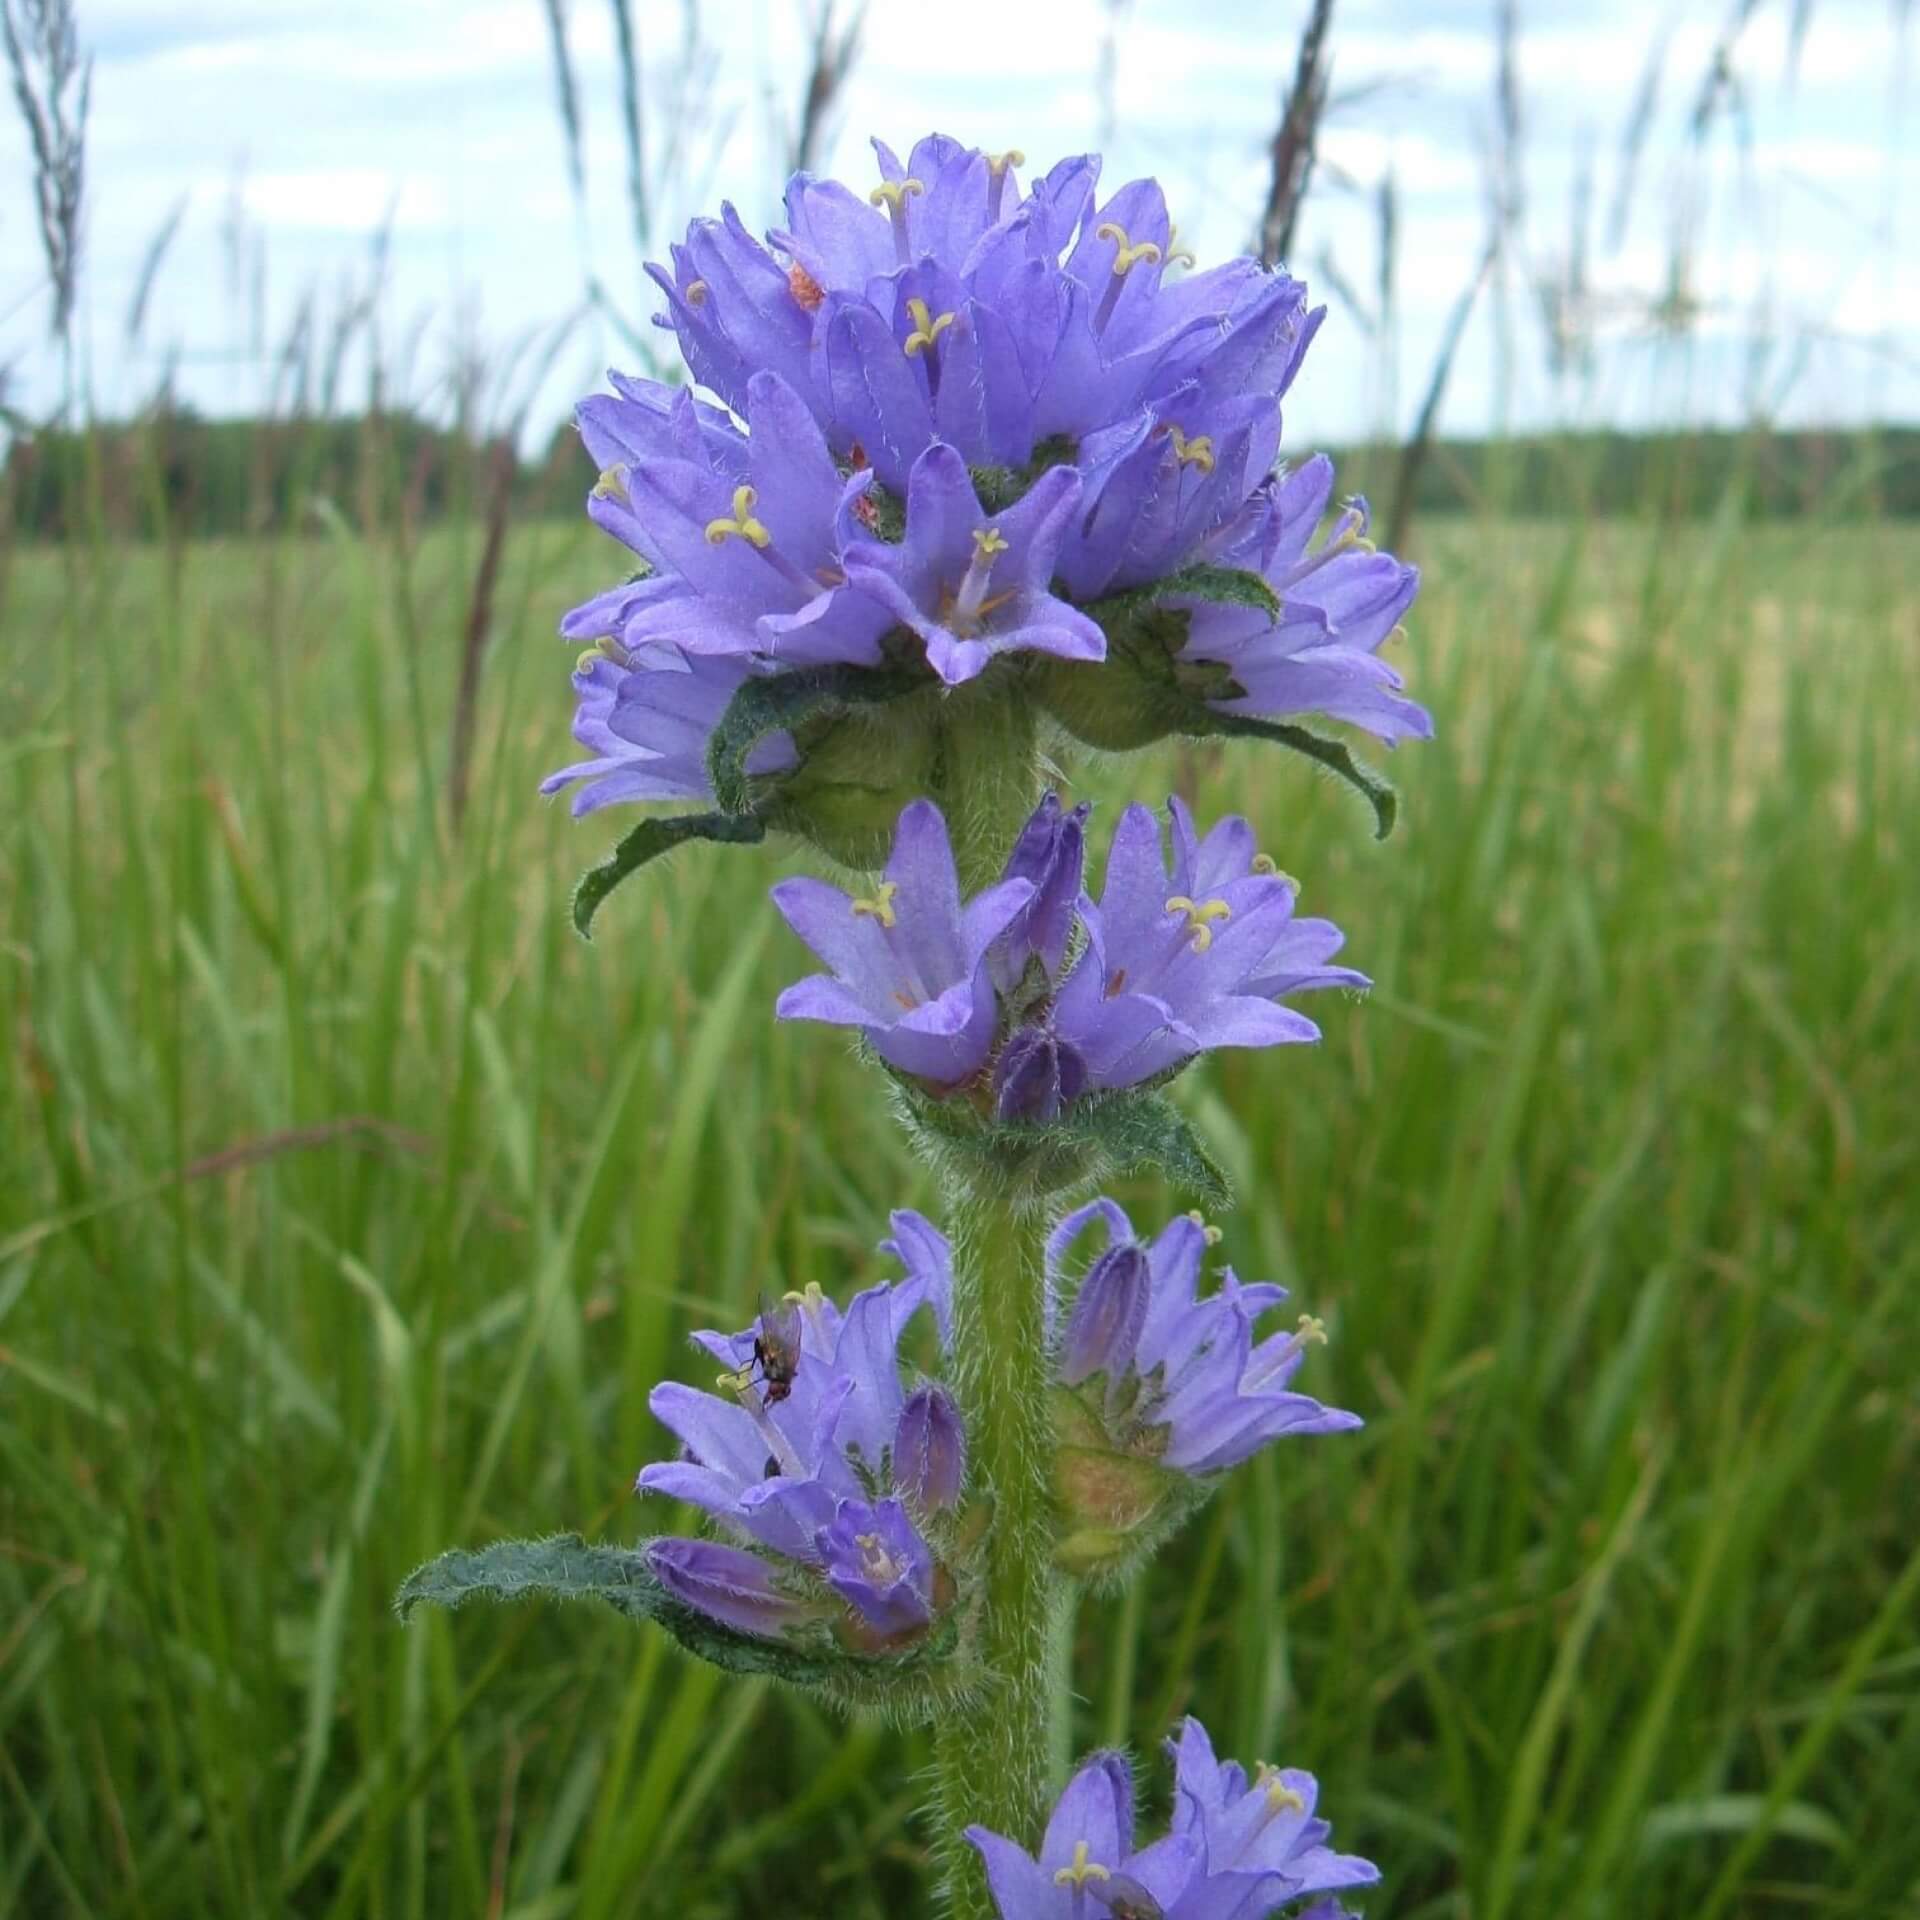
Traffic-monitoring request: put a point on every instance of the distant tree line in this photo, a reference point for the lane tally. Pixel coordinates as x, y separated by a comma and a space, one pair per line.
180, 474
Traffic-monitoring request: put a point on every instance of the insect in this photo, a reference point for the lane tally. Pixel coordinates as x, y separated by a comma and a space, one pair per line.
776, 1348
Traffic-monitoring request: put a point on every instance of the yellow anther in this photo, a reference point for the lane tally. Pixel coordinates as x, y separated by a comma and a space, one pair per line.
1281, 1798
732, 1382
927, 327
987, 541
1126, 254
1197, 452
696, 293
1201, 915
811, 1299
1175, 251
612, 485
1265, 863
1398, 636
1082, 1869
892, 194
998, 163
588, 659
880, 905
1210, 1234
1312, 1331
742, 521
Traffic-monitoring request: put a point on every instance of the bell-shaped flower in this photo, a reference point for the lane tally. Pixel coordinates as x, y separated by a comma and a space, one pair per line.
875, 1559
1341, 602
1169, 974
1184, 1381
1258, 1839
1218, 1863
909, 959
973, 586
646, 720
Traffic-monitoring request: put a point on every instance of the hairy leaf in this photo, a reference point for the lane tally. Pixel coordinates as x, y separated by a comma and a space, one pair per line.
1331, 754
782, 702
648, 841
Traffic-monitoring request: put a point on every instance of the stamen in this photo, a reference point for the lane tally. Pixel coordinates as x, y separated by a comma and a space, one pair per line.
1280, 1797
1200, 916
927, 327
1126, 254
1311, 1331
987, 541
612, 485
695, 294
1197, 452
742, 522
1082, 1870
1210, 1234
1175, 251
780, 1448
811, 1299
880, 905
806, 290
587, 659
893, 195
1265, 863
876, 1562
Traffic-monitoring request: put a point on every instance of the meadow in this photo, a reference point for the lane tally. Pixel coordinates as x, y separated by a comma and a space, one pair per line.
351, 1205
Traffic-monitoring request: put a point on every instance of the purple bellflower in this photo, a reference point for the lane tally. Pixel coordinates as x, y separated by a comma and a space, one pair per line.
804, 1476
647, 724
1185, 1382
1172, 970
1236, 1852
1340, 603
1257, 1839
908, 960
972, 587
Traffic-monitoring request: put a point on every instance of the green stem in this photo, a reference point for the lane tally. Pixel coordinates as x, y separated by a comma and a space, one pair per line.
995, 1759
987, 778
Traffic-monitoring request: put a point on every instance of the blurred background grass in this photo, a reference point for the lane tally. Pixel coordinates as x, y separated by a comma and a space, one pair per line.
351, 1206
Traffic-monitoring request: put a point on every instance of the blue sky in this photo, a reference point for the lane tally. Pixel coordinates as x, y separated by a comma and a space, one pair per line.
296, 126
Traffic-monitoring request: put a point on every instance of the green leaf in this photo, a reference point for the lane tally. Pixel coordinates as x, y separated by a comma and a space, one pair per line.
648, 841
1331, 754
1217, 586
1134, 1129
782, 702
565, 1567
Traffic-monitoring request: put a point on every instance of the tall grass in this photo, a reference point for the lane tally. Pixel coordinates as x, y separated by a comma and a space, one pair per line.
351, 1206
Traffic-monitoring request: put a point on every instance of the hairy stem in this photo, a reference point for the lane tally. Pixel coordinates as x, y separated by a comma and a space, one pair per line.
987, 779
995, 1760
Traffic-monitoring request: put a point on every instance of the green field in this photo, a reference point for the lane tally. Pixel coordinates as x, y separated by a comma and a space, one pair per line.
349, 1206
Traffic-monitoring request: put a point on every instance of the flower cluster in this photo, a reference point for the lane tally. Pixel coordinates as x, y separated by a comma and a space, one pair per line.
1239, 1849
1160, 1373
959, 416
999, 993
835, 1472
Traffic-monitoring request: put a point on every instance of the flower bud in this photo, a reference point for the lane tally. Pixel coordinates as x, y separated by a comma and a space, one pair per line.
929, 1450
724, 1583
1108, 1314
1050, 852
1038, 1074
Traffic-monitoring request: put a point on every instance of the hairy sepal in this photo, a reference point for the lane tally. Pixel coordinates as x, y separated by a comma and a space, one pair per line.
914, 1683
1099, 1137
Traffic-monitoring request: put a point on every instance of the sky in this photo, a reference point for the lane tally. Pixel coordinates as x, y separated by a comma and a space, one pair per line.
291, 132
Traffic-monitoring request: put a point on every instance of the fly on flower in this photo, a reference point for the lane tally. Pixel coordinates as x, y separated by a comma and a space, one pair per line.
776, 1347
